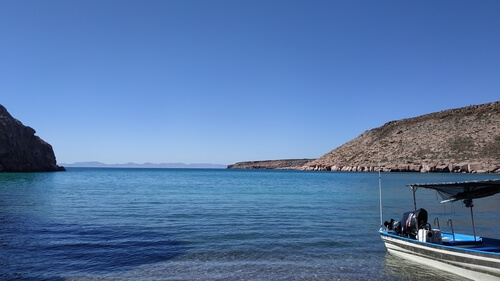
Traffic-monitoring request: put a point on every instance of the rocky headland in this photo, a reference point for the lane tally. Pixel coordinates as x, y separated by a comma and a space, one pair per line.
462, 140
284, 164
21, 150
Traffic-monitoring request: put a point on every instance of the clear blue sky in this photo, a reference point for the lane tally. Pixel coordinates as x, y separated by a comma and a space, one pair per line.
227, 81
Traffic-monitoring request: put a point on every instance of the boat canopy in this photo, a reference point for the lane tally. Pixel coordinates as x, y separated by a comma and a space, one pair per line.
454, 191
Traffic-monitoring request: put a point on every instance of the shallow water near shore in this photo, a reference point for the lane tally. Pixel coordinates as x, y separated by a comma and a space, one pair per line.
189, 224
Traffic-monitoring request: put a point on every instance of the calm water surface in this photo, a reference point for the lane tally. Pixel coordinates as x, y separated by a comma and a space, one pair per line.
174, 224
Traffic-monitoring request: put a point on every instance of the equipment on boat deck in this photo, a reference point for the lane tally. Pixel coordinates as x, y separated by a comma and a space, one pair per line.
412, 222
430, 235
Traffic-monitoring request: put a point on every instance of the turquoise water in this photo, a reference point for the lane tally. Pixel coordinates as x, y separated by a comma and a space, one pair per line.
175, 224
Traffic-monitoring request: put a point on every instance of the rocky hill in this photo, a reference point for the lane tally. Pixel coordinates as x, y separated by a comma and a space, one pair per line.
457, 140
285, 164
21, 150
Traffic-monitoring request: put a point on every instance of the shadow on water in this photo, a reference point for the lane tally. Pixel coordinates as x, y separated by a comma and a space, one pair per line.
32, 250
34, 246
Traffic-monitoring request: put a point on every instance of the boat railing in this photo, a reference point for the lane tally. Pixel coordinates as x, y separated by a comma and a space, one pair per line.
449, 223
436, 222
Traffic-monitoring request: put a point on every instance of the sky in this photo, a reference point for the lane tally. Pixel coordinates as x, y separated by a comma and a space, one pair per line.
211, 81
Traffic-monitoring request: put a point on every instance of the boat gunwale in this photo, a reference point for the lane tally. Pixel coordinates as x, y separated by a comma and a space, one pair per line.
473, 265
468, 250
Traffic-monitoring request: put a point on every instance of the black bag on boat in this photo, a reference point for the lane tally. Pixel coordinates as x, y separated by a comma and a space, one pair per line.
393, 225
412, 221
396, 226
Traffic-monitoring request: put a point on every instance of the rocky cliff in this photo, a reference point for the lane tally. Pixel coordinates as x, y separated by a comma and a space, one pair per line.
465, 140
285, 164
21, 150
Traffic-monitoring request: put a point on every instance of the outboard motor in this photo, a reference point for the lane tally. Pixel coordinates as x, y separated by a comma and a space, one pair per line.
412, 221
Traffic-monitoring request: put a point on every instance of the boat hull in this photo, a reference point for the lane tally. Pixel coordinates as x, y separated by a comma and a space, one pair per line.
466, 262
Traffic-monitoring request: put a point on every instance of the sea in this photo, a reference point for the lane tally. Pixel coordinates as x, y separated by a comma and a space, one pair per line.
203, 224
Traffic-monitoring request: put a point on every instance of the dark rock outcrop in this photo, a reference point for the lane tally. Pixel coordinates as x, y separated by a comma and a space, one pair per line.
285, 164
21, 150
462, 140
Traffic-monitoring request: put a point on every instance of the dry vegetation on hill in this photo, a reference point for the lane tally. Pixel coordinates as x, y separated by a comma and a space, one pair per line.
457, 140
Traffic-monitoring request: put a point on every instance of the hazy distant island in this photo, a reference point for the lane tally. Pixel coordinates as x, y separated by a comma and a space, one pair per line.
461, 140
95, 164
21, 150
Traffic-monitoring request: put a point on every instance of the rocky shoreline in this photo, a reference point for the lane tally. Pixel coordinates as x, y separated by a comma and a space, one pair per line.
474, 167
303, 165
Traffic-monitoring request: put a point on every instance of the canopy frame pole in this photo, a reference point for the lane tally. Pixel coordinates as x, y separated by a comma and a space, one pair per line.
380, 187
473, 226
469, 204
414, 189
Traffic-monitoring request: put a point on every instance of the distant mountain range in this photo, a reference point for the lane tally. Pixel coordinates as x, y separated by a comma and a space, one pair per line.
95, 164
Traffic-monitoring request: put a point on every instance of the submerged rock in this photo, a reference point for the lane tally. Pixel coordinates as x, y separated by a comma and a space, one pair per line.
21, 150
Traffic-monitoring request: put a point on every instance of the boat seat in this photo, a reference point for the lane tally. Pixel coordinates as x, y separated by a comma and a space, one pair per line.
458, 243
487, 249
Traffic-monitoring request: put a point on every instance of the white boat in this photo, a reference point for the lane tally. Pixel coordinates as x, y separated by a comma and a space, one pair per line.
471, 256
